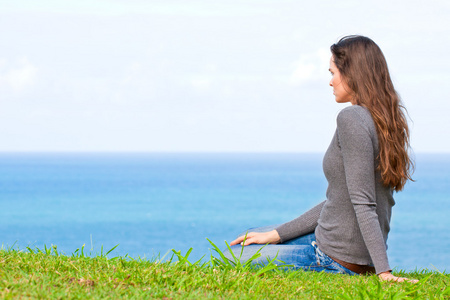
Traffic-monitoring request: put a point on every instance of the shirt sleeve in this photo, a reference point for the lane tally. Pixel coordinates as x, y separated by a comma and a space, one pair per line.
304, 224
356, 142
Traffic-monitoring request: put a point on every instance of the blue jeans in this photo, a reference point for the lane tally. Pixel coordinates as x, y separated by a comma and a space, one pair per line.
301, 253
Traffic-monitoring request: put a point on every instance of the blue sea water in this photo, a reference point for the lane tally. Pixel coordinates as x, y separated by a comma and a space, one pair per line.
151, 203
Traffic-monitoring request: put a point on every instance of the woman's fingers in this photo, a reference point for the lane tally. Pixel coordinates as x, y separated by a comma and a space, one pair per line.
270, 237
240, 239
389, 277
401, 279
249, 239
237, 241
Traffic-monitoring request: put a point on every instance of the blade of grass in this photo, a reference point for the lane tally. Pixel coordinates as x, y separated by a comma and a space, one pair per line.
111, 250
224, 258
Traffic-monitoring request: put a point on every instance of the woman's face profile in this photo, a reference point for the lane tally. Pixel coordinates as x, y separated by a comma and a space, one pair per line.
341, 91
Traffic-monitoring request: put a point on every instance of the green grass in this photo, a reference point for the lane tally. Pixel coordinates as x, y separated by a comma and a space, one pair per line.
44, 274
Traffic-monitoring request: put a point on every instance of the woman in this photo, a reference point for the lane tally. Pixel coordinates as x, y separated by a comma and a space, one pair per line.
366, 161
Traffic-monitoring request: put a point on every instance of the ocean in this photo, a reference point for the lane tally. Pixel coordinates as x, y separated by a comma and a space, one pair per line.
148, 204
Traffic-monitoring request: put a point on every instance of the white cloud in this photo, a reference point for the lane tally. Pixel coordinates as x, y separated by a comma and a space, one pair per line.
20, 76
310, 66
303, 72
200, 84
132, 72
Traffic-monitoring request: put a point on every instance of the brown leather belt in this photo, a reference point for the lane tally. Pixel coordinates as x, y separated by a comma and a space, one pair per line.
360, 269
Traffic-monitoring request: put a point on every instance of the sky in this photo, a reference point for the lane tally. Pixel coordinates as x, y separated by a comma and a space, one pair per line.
207, 76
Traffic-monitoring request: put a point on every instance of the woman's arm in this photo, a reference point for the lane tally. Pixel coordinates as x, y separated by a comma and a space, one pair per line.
304, 224
356, 143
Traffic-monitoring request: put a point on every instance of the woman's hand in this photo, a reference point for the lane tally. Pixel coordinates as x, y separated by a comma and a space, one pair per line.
270, 237
387, 276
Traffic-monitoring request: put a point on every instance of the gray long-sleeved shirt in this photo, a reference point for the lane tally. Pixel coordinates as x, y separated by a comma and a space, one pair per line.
353, 223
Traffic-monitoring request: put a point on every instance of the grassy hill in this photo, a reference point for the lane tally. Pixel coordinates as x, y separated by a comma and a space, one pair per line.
38, 274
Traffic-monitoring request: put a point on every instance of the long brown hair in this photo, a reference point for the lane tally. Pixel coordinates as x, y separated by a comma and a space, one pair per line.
363, 67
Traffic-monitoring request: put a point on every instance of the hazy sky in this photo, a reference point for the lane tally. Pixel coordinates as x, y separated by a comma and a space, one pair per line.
206, 75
